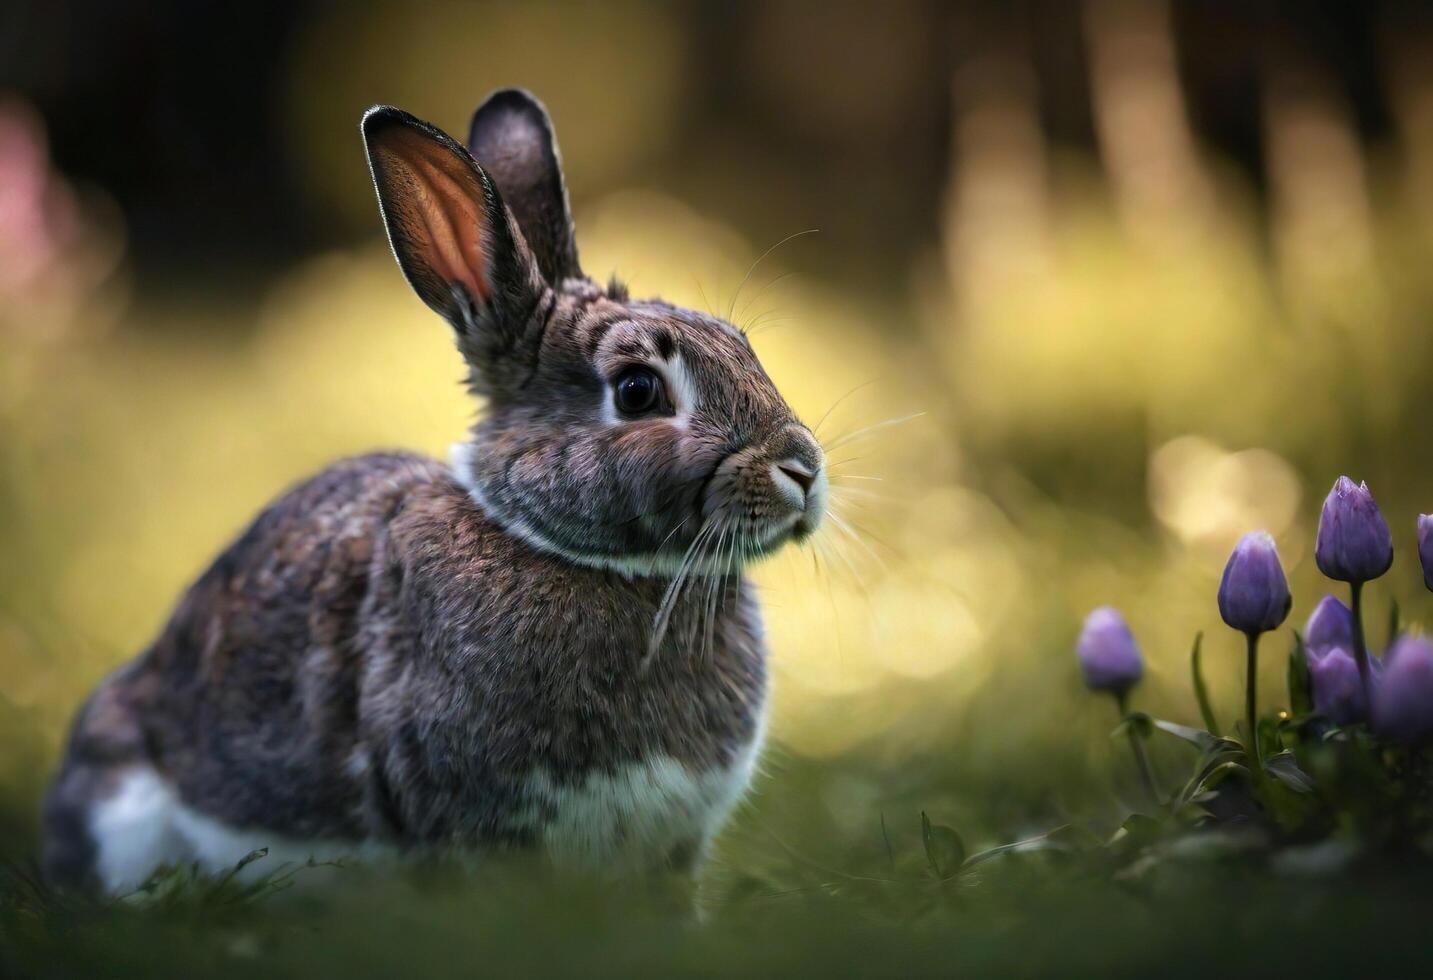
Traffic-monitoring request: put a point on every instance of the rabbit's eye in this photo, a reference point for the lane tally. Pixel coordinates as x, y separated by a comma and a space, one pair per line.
637, 390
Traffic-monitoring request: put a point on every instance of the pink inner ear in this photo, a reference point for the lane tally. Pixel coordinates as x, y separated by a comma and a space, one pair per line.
448, 200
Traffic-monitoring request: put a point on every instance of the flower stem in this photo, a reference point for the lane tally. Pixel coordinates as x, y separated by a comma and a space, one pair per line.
1360, 648
1141, 758
1251, 700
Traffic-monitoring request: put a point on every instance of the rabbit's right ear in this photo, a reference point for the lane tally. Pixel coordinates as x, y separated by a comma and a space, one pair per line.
511, 137
455, 241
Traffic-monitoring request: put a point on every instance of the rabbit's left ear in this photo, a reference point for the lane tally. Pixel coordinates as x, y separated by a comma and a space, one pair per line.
456, 242
511, 137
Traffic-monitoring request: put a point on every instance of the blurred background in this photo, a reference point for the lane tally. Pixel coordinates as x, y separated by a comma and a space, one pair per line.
1152, 275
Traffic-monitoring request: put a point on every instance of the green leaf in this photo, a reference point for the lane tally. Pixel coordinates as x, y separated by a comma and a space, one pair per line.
1392, 622
1301, 696
1269, 735
1136, 723
1217, 756
1191, 735
1285, 768
1221, 772
1137, 830
1201, 691
943, 848
1198, 788
1053, 840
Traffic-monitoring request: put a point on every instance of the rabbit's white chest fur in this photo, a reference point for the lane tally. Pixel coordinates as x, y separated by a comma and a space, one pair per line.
638, 816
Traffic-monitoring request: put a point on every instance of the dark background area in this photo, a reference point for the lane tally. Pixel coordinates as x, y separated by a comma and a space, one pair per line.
176, 108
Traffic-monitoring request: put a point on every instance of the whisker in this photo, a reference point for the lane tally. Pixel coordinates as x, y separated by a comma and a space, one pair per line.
708, 604
827, 414
703, 293
741, 314
747, 546
669, 598
851, 568
867, 533
839, 492
720, 563
867, 430
729, 566
841, 525
826, 566
763, 322
823, 574
680, 523
838, 503
759, 259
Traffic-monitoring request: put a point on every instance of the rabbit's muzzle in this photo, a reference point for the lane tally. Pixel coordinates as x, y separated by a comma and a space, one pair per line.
772, 490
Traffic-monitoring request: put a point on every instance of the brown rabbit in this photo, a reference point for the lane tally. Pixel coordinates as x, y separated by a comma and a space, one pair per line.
548, 644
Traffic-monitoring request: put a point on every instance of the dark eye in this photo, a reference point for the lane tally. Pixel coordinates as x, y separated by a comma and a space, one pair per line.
638, 390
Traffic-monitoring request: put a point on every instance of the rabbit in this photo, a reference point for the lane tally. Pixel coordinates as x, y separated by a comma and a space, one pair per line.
547, 645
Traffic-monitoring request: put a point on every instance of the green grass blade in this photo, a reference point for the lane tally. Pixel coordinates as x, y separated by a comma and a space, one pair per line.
1201, 692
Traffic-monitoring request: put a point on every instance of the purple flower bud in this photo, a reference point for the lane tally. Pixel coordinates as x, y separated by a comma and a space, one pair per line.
1338, 690
1353, 544
1331, 625
1254, 595
1109, 657
1425, 548
1403, 696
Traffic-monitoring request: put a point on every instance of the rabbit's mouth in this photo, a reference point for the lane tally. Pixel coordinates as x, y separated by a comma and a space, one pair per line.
804, 528
757, 528
769, 493
777, 534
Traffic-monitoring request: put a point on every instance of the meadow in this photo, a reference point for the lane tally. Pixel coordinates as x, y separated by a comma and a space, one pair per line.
1103, 375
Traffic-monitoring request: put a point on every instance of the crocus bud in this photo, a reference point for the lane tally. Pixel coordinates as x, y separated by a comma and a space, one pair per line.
1254, 595
1331, 625
1425, 548
1338, 690
1353, 544
1403, 696
1109, 657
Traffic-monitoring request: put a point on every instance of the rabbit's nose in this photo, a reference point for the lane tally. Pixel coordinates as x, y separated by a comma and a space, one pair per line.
793, 479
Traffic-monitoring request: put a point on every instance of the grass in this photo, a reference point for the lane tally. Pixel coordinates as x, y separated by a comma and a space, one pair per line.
788, 892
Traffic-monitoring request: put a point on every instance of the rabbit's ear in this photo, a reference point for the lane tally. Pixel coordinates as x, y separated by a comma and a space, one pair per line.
450, 231
511, 137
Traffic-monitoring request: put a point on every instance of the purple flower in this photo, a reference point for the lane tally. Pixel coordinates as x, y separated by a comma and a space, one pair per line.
1331, 625
1338, 690
1109, 657
1425, 548
1403, 697
1254, 595
1353, 544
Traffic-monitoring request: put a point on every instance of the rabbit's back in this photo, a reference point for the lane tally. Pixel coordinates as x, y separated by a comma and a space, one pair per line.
255, 682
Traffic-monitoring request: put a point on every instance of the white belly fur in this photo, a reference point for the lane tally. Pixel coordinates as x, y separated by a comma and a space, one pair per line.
630, 820
633, 819
145, 825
